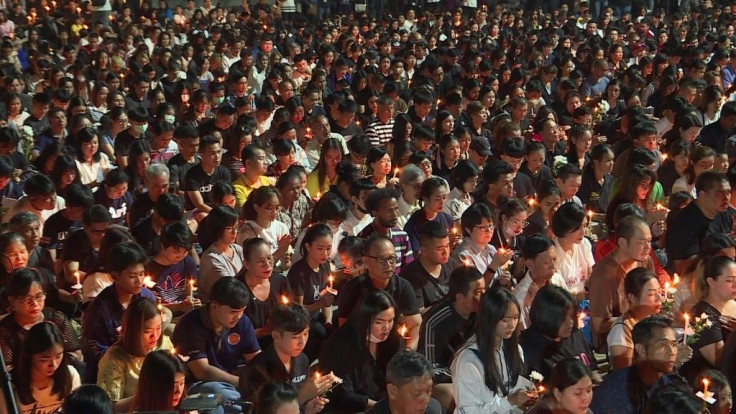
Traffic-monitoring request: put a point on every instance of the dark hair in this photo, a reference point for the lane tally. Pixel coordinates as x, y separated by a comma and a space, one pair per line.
718, 382
494, 305
430, 185
41, 337
407, 365
535, 245
375, 198
313, 232
273, 395
672, 399
96, 214
330, 143
169, 207
231, 292
259, 197
713, 269
708, 180
79, 195
20, 281
642, 331
463, 171
629, 226
125, 255
636, 279
155, 390
115, 177
88, 398
371, 304
567, 373
176, 234
220, 189
474, 216
432, 230
39, 185
568, 218
549, 310
460, 280
84, 136
291, 317
329, 207
220, 217
138, 312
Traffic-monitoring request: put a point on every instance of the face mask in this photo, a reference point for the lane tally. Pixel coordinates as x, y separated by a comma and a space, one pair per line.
374, 340
170, 119
218, 101
141, 129
511, 232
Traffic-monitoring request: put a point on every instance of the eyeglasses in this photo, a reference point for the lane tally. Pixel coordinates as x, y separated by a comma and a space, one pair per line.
517, 223
30, 300
487, 228
384, 260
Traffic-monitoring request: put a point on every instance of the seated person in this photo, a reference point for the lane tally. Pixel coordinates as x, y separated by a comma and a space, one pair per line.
169, 209
97, 280
655, 351
408, 385
359, 352
350, 251
120, 367
156, 182
62, 223
224, 257
102, 323
429, 275
447, 325
434, 195
217, 339
8, 187
380, 258
80, 252
9, 139
173, 269
571, 386
161, 384
40, 199
199, 179
553, 334
283, 359
26, 293
115, 197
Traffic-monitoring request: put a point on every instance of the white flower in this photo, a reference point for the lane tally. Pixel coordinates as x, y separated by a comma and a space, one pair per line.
703, 316
708, 323
534, 375
604, 106
697, 319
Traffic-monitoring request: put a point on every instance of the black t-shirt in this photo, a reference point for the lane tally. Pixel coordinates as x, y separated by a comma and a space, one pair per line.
383, 407
145, 236
667, 175
118, 207
77, 248
306, 282
542, 177
123, 141
198, 180
398, 287
19, 160
442, 333
260, 311
685, 231
722, 222
523, 186
209, 127
267, 366
57, 229
428, 289
142, 207
541, 353
178, 169
690, 369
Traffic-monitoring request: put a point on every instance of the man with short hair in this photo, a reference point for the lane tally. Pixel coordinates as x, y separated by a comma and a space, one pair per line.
58, 227
429, 274
498, 178
173, 268
383, 205
687, 228
168, 209
379, 257
40, 199
408, 386
714, 135
655, 352
217, 339
198, 181
156, 181
595, 84
359, 216
163, 147
380, 131
605, 285
138, 96
254, 173
188, 156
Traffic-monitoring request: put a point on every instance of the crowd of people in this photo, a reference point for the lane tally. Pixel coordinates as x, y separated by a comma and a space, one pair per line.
368, 206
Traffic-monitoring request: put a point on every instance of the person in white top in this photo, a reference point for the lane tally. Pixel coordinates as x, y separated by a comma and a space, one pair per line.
358, 216
224, 258
486, 372
259, 211
464, 180
574, 252
701, 159
539, 256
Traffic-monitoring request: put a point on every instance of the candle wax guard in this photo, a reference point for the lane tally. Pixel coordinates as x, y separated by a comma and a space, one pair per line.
77, 286
707, 398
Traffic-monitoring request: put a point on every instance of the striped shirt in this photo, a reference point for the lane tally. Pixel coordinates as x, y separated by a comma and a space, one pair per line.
443, 331
379, 133
402, 247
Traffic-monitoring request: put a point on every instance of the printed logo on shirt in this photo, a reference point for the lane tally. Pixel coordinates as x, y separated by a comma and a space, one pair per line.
233, 339
297, 380
316, 290
205, 189
118, 213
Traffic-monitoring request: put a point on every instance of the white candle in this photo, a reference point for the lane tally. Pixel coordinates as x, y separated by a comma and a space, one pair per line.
687, 328
191, 290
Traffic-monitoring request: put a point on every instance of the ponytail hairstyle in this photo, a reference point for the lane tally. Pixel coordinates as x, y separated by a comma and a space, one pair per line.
313, 232
259, 197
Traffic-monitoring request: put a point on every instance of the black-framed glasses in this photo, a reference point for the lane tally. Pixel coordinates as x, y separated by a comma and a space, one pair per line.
384, 260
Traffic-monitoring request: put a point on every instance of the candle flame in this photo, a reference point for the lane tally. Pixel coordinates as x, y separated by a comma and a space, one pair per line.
284, 300
319, 194
664, 157
667, 286
191, 282
148, 282
160, 307
541, 389
706, 382
173, 351
675, 279
317, 375
331, 279
466, 262
402, 330
591, 213
687, 317
532, 202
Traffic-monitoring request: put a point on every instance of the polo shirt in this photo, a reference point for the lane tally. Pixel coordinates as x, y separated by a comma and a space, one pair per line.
102, 326
195, 337
243, 189
399, 288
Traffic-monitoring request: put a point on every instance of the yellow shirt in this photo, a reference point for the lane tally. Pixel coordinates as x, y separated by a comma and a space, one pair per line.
314, 186
243, 189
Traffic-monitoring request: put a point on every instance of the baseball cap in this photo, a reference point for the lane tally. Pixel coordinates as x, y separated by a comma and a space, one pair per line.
481, 146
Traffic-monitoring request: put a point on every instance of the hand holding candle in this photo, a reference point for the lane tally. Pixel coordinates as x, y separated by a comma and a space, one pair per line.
191, 291
77, 285
403, 330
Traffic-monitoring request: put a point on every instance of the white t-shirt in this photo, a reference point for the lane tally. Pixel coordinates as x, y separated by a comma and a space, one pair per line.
574, 265
619, 335
46, 403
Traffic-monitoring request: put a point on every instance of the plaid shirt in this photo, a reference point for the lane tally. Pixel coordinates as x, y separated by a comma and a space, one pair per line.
402, 246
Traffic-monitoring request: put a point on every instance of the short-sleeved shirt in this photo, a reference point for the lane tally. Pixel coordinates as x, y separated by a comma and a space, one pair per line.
142, 207
195, 338
685, 231
198, 180
574, 265
267, 366
102, 326
709, 335
57, 229
427, 288
402, 247
259, 311
171, 281
306, 282
178, 169
399, 288
123, 142
78, 249
146, 236
118, 208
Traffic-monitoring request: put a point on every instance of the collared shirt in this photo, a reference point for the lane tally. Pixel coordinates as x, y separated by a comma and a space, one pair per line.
479, 257
243, 188
525, 295
406, 210
102, 326
195, 337
293, 217
402, 248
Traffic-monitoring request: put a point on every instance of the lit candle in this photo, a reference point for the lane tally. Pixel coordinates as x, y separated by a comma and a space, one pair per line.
191, 290
540, 389
454, 230
466, 262
666, 290
308, 133
396, 171
439, 102
357, 122
173, 351
319, 195
706, 383
675, 279
265, 27
590, 219
331, 279
317, 375
148, 282
160, 308
284, 300
403, 330
532, 202
663, 157
76, 276
687, 328
79, 10
77, 285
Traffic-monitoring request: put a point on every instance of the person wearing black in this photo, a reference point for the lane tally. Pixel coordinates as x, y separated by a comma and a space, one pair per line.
379, 257
137, 130
59, 226
198, 181
80, 250
408, 385
359, 352
447, 325
686, 228
714, 135
221, 123
168, 209
284, 360
157, 183
429, 274
553, 334
115, 197
179, 165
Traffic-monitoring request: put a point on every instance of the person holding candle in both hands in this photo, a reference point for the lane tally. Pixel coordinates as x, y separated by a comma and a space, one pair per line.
571, 389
